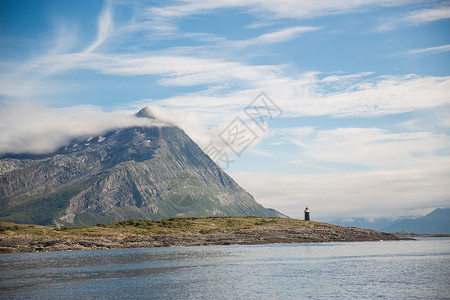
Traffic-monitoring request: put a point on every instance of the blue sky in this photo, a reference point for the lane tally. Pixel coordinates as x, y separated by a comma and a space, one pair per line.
362, 89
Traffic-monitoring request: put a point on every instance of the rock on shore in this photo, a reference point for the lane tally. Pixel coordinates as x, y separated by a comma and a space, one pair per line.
179, 232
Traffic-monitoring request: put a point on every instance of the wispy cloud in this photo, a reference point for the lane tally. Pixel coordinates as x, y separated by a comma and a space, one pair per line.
197, 68
174, 70
416, 18
163, 19
345, 78
428, 15
273, 10
381, 95
279, 36
105, 27
373, 148
308, 95
429, 50
36, 77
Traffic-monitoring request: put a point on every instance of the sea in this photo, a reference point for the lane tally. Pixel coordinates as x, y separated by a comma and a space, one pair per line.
418, 269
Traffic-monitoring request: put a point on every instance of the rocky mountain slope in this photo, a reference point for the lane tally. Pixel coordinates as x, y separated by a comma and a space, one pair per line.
138, 172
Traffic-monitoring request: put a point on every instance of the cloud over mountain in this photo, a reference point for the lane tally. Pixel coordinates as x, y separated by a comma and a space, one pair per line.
36, 129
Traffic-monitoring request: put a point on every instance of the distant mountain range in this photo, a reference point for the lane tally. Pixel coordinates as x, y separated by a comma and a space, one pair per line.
137, 172
436, 222
376, 224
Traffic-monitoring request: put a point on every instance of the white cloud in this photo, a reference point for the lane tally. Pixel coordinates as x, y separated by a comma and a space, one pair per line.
397, 173
299, 94
382, 95
353, 95
429, 50
35, 77
382, 193
163, 20
416, 18
175, 70
272, 10
37, 129
34, 129
105, 27
198, 126
26, 87
363, 147
428, 15
340, 96
282, 35
193, 123
65, 38
344, 78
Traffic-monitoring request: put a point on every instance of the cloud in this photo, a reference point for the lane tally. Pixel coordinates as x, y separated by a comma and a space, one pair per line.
430, 50
380, 193
383, 95
269, 9
228, 79
27, 87
163, 19
40, 130
372, 148
105, 27
198, 127
279, 36
356, 95
416, 18
174, 70
193, 123
65, 38
34, 129
345, 78
428, 15
355, 172
221, 45
35, 77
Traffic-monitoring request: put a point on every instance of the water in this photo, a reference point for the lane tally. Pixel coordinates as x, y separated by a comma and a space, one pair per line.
391, 269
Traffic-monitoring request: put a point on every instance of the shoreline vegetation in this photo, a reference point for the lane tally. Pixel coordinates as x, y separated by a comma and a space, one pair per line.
189, 231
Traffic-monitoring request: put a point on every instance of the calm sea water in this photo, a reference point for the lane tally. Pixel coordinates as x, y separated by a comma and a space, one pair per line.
390, 269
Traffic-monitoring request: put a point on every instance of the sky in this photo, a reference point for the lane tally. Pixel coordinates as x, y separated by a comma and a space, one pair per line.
342, 106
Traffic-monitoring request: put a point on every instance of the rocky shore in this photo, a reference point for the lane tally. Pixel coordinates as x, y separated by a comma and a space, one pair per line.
179, 232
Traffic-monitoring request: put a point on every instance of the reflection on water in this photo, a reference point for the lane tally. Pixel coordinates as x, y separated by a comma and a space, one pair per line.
394, 269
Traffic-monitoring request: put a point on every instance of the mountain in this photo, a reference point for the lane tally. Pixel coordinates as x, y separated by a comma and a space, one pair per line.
375, 224
438, 221
137, 172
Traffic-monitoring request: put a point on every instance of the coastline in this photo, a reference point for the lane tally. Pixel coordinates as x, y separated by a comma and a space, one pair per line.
179, 232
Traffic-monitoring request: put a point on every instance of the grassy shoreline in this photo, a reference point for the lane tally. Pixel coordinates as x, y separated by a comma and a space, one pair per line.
193, 231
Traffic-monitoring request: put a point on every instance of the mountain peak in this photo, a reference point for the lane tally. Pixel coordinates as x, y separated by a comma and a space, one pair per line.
137, 172
146, 112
